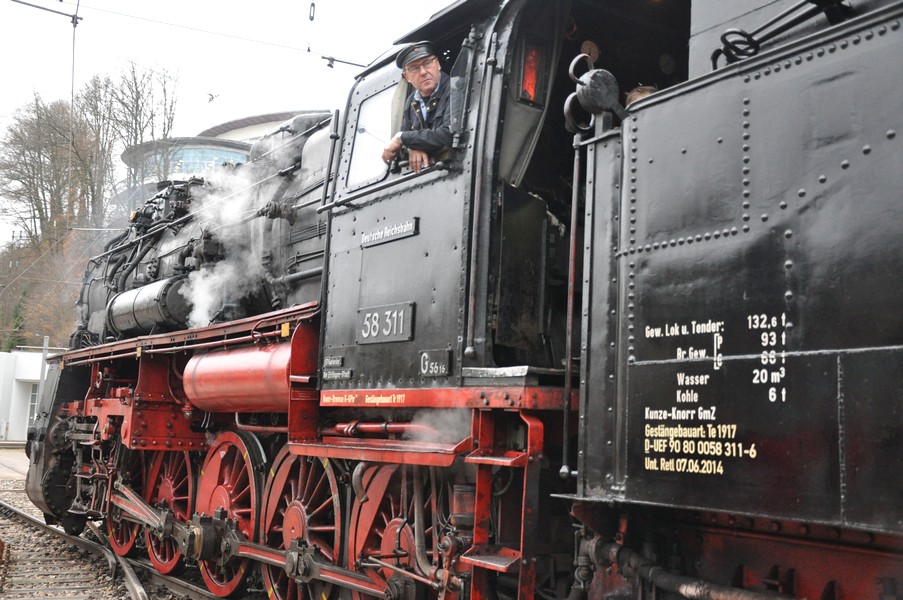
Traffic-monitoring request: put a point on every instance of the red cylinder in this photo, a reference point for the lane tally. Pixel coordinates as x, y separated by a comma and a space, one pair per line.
248, 379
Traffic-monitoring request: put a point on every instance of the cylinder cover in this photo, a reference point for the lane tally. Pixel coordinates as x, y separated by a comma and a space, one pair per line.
248, 379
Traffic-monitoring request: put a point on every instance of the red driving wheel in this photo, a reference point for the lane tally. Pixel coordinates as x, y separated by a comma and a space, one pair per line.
383, 526
121, 532
170, 482
301, 503
230, 480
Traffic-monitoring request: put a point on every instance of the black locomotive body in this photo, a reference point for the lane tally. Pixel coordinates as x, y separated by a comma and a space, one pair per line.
676, 323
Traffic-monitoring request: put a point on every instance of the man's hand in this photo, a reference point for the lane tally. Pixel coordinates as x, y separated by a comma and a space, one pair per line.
418, 159
391, 150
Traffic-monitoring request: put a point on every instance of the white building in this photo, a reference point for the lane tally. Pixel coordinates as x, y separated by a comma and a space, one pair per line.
20, 382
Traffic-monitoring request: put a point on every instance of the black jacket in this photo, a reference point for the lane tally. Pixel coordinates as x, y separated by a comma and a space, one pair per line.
431, 134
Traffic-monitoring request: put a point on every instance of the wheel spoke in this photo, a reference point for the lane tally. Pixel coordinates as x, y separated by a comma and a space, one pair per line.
296, 484
230, 479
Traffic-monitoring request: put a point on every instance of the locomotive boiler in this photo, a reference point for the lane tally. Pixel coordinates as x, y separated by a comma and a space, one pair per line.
591, 351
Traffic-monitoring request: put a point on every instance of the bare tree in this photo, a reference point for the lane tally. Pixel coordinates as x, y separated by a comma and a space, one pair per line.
94, 148
33, 170
145, 106
58, 170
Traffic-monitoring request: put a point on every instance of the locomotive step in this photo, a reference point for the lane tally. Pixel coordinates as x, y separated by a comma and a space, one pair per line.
509, 458
492, 557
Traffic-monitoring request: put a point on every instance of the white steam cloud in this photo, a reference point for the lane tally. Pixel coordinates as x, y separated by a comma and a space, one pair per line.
441, 425
224, 209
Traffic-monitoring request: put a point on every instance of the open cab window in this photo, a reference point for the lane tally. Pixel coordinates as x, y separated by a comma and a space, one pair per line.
372, 132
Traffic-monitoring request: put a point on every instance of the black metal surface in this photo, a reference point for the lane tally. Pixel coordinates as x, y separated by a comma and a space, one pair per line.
757, 294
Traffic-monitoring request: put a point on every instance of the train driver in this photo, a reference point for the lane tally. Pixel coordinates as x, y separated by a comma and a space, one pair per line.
425, 125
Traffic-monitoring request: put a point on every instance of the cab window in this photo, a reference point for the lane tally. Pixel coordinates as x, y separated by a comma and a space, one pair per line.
372, 133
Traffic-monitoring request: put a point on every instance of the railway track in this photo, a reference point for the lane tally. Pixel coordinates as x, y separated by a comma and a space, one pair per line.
42, 561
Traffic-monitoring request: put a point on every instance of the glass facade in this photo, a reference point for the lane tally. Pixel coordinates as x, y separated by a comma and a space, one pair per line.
183, 162
197, 161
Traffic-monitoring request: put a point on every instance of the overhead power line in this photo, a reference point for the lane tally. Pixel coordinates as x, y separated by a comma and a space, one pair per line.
330, 59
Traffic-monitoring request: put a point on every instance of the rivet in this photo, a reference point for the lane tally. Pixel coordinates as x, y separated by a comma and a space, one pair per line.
832, 48
746, 160
788, 234
745, 112
895, 25
799, 60
673, 243
844, 44
745, 147
866, 149
845, 164
756, 76
746, 79
822, 179
856, 39
720, 140
809, 56
683, 150
707, 235
745, 135
746, 217
746, 204
820, 52
777, 68
745, 124
787, 64
788, 264
680, 241
891, 134
801, 193
746, 182
783, 204
716, 235
650, 161
764, 218
745, 170
733, 231
746, 101
767, 71
746, 229
869, 35
746, 193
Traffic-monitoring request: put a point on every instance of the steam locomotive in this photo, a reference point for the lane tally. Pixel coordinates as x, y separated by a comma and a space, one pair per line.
651, 352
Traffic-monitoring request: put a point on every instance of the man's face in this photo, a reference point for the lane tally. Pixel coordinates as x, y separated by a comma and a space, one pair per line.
423, 74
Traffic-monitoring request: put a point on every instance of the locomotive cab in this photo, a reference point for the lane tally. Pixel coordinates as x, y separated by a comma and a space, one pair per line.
464, 266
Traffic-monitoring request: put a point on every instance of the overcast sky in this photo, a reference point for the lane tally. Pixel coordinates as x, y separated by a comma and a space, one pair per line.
252, 56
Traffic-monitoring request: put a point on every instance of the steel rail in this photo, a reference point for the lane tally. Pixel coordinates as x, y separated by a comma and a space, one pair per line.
82, 543
134, 586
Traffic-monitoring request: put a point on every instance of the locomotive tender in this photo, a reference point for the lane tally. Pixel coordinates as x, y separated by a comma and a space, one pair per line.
328, 378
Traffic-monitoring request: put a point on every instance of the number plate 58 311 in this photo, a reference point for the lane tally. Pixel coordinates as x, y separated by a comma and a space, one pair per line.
389, 323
